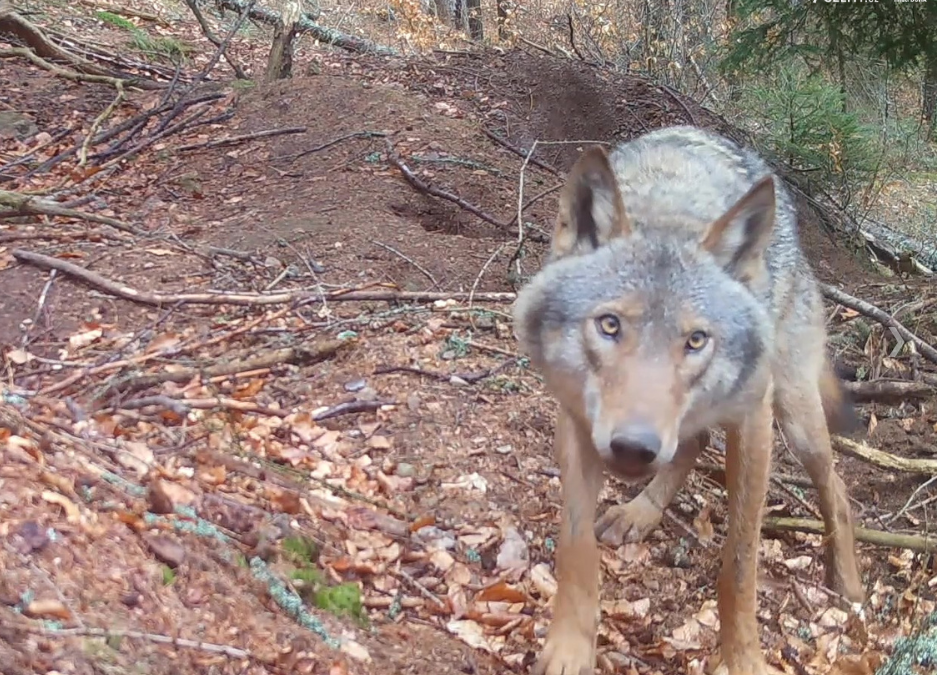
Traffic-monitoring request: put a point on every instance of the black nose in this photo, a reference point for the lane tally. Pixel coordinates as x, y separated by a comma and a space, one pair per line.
637, 445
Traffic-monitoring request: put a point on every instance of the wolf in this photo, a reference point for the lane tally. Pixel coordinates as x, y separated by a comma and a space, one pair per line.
676, 299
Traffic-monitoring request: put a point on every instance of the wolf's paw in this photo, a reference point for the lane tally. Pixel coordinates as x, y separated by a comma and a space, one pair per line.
845, 579
566, 653
630, 522
744, 664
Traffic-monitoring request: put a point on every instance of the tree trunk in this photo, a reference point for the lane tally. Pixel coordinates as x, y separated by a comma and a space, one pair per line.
929, 91
476, 29
280, 61
444, 10
502, 19
458, 14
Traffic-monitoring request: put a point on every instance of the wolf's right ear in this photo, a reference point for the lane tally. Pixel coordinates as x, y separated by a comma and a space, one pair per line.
591, 208
739, 237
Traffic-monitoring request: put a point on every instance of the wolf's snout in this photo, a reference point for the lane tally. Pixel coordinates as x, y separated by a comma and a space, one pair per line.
636, 445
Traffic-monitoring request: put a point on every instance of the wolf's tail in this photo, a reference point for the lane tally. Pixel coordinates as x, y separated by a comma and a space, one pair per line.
838, 405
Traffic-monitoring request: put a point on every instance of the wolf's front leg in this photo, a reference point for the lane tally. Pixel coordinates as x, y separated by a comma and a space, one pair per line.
748, 463
633, 521
570, 644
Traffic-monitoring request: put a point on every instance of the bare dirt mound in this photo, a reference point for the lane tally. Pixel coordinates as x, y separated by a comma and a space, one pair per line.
399, 446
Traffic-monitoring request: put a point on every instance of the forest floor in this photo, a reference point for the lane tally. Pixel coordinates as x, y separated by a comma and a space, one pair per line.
178, 466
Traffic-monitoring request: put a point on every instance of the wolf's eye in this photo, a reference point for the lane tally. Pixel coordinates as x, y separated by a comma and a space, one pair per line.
697, 340
609, 325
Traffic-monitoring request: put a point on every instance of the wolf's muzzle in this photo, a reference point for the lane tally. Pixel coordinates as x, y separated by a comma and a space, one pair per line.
636, 445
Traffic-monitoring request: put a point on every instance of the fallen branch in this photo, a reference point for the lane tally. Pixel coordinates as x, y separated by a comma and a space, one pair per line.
470, 378
520, 152
881, 459
425, 272
230, 652
74, 76
880, 315
183, 406
302, 355
880, 391
28, 205
238, 71
350, 408
233, 140
329, 144
436, 192
245, 299
40, 50
913, 542
308, 25
98, 121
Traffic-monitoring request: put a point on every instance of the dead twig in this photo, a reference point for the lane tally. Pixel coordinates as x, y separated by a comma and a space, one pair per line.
203, 24
350, 408
469, 378
521, 230
108, 111
520, 152
417, 265
234, 140
329, 144
880, 315
481, 273
913, 542
436, 192
230, 652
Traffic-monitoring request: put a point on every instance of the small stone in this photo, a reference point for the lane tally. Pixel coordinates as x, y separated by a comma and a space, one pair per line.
405, 470
355, 385
367, 394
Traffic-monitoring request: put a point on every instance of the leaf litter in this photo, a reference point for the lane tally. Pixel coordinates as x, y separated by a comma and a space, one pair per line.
373, 509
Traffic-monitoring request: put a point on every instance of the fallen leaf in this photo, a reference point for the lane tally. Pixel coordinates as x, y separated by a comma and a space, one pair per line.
47, 609
166, 549
165, 496
543, 580
501, 592
72, 514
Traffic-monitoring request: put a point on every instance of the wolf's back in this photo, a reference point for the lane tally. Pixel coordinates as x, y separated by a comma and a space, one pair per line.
677, 180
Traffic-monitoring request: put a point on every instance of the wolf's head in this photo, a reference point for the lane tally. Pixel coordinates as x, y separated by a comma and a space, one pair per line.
647, 336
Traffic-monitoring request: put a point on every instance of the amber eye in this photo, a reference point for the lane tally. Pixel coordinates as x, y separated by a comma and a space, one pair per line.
697, 340
609, 325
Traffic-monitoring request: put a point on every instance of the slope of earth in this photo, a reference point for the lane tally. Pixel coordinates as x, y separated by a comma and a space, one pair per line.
166, 469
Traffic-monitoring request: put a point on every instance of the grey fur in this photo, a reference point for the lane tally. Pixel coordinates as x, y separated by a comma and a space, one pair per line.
674, 182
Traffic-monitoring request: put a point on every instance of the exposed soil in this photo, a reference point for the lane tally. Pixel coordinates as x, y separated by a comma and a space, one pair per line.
342, 216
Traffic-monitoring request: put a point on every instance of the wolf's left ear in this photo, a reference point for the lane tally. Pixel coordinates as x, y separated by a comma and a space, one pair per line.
591, 210
739, 237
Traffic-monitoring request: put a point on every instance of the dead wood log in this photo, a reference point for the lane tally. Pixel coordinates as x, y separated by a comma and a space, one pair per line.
913, 542
883, 460
888, 391
11, 23
307, 25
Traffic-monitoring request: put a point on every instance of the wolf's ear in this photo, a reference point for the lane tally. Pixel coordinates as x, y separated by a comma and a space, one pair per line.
739, 237
591, 209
